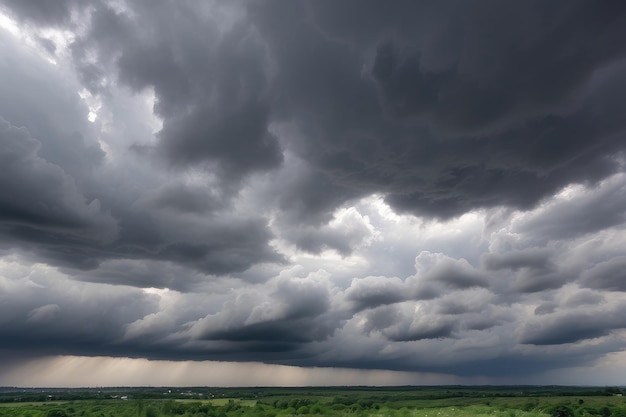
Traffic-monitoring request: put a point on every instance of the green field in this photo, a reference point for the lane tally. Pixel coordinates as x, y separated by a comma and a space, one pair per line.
317, 402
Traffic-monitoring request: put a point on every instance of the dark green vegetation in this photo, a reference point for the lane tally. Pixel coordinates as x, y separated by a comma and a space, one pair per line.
522, 401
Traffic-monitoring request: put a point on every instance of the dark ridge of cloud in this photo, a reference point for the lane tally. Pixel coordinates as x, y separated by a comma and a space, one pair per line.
534, 280
345, 233
429, 331
458, 304
485, 322
217, 248
545, 308
40, 194
371, 292
572, 327
601, 207
144, 273
435, 275
183, 199
459, 279
220, 249
584, 297
291, 331
453, 273
42, 12
296, 311
533, 258
513, 363
398, 325
315, 206
487, 108
608, 275
55, 315
519, 363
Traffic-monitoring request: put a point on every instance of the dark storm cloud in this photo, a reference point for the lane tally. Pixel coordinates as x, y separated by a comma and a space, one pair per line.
530, 258
439, 269
534, 268
584, 297
372, 292
444, 317
62, 203
477, 106
436, 274
182, 198
348, 231
599, 208
571, 327
532, 280
464, 303
36, 193
399, 325
432, 330
211, 86
272, 120
545, 308
144, 274
54, 116
608, 275
505, 114
62, 228
50, 314
296, 311
316, 205
42, 11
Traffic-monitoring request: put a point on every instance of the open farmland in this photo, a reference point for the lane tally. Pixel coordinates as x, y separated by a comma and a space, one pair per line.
337, 401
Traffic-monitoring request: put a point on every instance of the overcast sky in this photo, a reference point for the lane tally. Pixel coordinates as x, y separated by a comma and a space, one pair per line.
278, 192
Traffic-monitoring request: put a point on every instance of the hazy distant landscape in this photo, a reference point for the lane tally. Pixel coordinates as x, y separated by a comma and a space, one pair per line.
439, 401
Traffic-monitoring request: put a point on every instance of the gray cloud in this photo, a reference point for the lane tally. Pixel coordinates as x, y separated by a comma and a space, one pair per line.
47, 313
584, 297
487, 107
531, 258
600, 208
608, 275
399, 324
182, 198
346, 232
570, 327
293, 312
43, 12
453, 273
211, 91
435, 186
38, 194
376, 291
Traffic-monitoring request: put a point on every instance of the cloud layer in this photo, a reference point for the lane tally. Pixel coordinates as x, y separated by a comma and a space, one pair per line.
435, 187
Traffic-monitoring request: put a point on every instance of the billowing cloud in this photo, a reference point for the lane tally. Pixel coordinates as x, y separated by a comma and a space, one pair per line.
436, 187
570, 327
40, 195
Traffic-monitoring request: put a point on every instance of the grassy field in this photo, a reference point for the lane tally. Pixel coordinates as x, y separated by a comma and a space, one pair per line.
31, 404
221, 402
318, 402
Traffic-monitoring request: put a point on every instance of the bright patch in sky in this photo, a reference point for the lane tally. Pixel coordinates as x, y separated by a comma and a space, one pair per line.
9, 24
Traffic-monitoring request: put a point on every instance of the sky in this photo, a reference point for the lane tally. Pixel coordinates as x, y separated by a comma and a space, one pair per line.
278, 192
